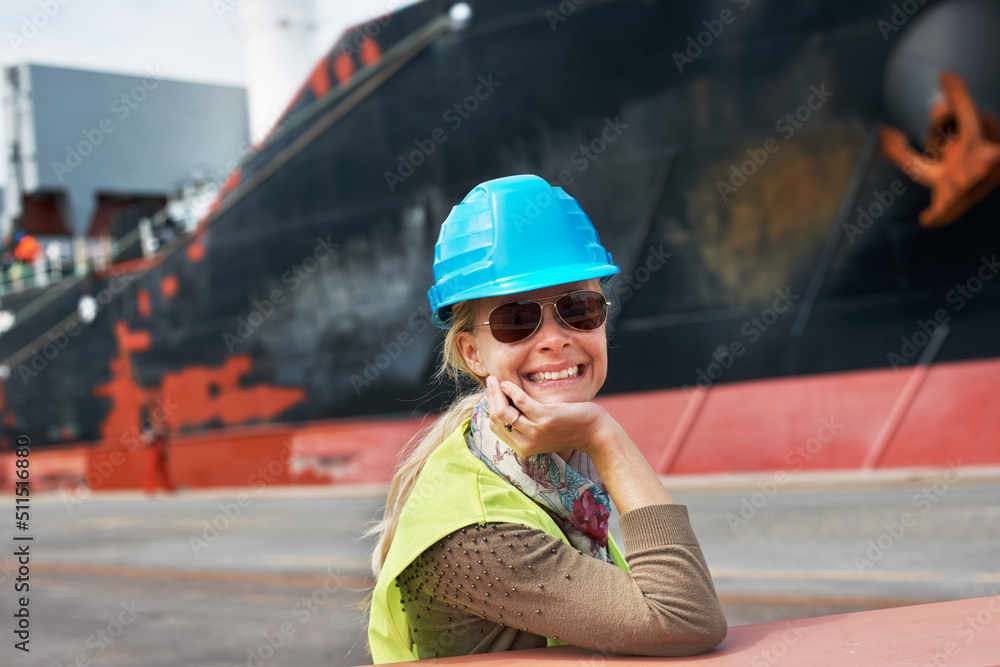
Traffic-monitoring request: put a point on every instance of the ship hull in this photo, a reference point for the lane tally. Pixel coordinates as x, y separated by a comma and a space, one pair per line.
735, 191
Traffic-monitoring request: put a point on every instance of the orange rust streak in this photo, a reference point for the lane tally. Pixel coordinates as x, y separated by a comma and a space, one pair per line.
343, 68
168, 287
142, 302
206, 395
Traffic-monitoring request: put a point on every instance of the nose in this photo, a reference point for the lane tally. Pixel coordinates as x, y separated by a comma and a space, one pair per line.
552, 333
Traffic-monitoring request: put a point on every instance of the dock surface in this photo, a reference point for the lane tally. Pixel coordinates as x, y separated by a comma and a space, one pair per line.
275, 576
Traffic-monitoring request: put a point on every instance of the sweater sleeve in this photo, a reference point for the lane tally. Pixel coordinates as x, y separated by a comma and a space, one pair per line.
508, 579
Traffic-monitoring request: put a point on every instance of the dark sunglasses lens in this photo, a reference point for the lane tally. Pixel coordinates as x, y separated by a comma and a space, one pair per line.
583, 310
515, 321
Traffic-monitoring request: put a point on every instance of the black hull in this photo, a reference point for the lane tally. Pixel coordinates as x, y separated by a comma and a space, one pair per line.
354, 332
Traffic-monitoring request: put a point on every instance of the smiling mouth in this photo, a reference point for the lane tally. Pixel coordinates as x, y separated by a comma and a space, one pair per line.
549, 376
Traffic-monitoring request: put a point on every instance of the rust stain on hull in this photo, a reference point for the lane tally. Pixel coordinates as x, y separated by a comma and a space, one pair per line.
780, 213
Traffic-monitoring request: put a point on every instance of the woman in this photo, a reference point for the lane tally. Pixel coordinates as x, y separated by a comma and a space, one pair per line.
495, 534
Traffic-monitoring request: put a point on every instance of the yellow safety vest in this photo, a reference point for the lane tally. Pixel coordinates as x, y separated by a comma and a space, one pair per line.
455, 489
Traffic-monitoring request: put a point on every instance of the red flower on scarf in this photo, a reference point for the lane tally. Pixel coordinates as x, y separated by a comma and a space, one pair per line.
591, 517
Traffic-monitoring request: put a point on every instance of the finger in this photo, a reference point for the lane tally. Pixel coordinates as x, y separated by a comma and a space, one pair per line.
500, 411
496, 396
525, 410
493, 397
497, 425
505, 413
524, 403
514, 438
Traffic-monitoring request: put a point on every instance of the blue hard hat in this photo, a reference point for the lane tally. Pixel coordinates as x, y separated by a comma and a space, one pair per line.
510, 235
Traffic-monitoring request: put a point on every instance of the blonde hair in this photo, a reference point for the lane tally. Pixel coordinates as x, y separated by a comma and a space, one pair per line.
422, 445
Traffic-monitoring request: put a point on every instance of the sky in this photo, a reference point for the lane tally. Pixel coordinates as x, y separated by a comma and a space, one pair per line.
189, 40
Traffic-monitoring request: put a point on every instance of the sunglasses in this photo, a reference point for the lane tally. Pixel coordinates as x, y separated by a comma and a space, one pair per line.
517, 320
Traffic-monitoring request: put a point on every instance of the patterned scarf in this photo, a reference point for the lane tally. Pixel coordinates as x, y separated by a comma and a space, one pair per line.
578, 499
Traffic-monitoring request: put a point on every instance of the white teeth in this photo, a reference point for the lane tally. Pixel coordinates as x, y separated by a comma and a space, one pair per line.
570, 372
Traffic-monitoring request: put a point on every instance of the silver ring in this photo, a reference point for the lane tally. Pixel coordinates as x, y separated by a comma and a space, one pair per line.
510, 427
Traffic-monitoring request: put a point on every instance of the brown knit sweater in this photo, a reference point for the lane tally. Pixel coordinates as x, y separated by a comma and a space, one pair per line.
500, 587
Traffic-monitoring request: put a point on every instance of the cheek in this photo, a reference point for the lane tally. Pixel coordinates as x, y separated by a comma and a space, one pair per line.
505, 361
495, 358
508, 364
599, 346
599, 355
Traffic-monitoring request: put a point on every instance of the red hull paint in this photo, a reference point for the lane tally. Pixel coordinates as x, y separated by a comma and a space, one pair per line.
825, 422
